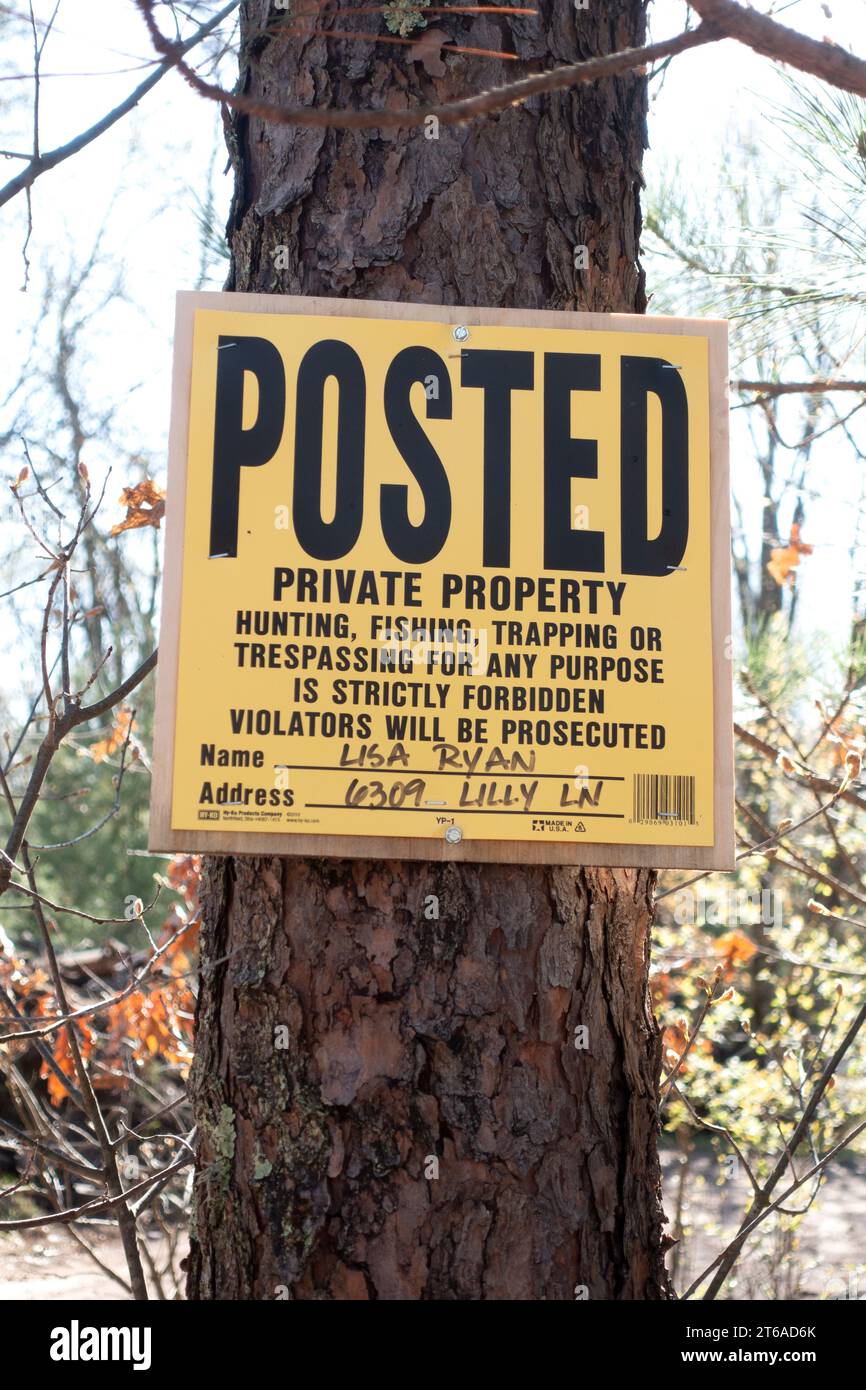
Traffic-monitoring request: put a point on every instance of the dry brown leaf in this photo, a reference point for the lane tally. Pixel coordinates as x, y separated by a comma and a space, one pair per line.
145, 506
428, 51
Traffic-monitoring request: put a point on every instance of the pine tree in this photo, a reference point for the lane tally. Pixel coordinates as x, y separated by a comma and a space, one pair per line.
354, 1041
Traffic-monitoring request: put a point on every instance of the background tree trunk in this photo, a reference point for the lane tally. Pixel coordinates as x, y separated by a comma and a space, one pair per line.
346, 1035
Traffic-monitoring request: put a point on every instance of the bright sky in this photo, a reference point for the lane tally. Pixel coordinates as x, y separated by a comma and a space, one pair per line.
137, 186
709, 95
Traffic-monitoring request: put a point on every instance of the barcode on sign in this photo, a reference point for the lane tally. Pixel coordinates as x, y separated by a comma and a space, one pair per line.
664, 797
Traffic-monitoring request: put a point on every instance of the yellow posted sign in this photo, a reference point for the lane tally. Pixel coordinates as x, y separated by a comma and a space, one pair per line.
445, 583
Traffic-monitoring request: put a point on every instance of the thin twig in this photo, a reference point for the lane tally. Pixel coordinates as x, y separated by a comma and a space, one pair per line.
49, 160
447, 113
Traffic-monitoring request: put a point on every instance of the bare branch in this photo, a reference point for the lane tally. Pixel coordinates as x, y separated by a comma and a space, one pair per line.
119, 693
825, 60
38, 1146
61, 726
767, 1211
448, 113
101, 1204
709, 999
8, 867
761, 1205
795, 388
821, 783
718, 1129
40, 163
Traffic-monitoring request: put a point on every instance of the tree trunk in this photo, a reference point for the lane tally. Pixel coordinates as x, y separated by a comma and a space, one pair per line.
393, 1103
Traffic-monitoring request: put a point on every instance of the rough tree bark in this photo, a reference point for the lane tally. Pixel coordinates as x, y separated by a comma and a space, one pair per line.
409, 1037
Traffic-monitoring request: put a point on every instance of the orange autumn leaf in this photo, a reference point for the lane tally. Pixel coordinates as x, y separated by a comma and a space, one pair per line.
63, 1057
735, 947
145, 506
674, 1039
158, 1021
152, 1025
785, 559
120, 731
674, 1043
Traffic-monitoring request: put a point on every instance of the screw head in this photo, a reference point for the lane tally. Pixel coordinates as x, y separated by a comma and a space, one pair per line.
454, 834
461, 333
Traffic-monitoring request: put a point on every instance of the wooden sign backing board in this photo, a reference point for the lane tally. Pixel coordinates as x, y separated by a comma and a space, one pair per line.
202, 600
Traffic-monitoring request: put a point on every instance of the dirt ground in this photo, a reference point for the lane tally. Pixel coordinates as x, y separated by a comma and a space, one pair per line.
826, 1259
49, 1265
